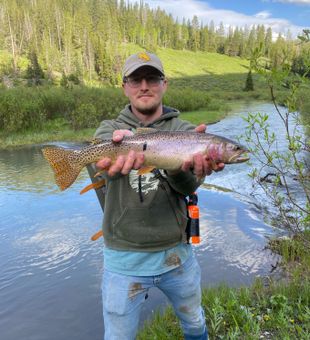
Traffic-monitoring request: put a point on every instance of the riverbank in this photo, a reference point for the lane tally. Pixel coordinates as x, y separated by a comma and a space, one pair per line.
274, 308
59, 129
64, 124
54, 130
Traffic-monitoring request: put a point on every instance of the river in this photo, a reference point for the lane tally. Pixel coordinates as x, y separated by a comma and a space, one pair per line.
50, 270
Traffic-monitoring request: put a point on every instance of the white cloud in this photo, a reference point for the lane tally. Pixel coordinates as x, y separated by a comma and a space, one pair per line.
263, 15
298, 2
205, 13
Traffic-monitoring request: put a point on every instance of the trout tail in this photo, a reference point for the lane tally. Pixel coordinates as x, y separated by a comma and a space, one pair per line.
62, 162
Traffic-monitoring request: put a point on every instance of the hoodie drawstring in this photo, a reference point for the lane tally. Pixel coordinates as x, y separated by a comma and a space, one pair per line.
140, 188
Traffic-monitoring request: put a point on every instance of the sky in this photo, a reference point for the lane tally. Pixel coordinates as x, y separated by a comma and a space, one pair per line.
280, 15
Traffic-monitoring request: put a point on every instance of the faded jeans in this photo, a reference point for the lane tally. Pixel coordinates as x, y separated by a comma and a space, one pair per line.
124, 295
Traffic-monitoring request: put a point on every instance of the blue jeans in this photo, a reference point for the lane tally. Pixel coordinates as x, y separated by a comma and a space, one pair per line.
124, 295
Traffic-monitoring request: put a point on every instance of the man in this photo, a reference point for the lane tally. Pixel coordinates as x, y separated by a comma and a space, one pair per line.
145, 216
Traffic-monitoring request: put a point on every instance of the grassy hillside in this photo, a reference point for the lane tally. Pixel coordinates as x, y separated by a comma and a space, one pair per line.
202, 70
182, 64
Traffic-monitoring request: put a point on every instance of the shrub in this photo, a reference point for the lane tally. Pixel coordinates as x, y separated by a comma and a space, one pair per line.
20, 109
58, 102
84, 116
107, 101
186, 99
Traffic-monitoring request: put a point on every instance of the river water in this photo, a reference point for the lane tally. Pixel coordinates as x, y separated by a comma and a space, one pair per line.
50, 270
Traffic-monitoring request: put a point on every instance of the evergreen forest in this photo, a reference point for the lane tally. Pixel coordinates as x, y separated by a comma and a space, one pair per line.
88, 40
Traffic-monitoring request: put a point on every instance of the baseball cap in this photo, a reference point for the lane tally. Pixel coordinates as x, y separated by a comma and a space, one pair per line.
138, 60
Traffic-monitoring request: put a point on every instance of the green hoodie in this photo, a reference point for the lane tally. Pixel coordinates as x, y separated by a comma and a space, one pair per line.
157, 220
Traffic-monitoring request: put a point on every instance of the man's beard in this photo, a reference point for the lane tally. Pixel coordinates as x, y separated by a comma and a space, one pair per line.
148, 111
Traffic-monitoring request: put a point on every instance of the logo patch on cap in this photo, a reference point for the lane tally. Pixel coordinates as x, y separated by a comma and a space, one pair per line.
144, 56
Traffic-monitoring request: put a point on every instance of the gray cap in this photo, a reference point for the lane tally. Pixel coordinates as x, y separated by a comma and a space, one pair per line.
138, 60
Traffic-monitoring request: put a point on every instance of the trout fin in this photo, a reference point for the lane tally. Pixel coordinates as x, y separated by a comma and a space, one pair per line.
141, 130
65, 170
145, 170
100, 172
97, 235
95, 185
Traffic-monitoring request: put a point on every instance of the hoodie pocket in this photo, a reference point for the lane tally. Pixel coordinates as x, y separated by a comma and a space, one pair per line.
148, 226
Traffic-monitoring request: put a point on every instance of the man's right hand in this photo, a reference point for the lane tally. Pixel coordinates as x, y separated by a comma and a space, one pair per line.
124, 163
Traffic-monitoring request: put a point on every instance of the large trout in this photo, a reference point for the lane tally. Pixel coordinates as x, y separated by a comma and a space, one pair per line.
162, 150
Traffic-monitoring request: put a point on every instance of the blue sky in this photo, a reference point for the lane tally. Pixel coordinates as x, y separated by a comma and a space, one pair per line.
280, 15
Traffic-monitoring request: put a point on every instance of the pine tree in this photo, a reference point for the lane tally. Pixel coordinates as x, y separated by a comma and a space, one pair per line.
221, 39
34, 72
249, 85
83, 37
268, 42
212, 37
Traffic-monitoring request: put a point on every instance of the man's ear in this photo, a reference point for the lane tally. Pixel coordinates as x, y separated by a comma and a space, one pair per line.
165, 84
124, 89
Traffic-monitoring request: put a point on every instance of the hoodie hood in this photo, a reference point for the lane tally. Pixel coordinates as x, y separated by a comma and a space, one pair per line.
126, 116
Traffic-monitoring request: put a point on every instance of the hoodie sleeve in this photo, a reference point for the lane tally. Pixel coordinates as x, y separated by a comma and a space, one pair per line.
105, 130
183, 182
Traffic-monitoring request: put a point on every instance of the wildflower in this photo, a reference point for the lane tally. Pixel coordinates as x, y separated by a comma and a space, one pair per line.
266, 317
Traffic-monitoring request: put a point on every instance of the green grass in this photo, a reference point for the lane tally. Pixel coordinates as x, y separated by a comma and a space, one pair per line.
203, 116
184, 63
203, 70
55, 130
277, 312
269, 309
60, 130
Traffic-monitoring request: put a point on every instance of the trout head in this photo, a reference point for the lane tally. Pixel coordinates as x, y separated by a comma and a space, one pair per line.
227, 151
235, 153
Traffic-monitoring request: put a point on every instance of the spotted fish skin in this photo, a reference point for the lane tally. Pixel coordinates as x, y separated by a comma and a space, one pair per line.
162, 149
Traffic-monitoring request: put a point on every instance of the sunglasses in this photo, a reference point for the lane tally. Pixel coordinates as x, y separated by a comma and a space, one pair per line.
152, 80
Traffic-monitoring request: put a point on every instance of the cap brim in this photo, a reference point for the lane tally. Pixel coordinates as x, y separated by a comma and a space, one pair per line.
136, 66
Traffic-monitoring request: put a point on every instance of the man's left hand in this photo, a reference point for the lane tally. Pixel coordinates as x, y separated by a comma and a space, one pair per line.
200, 164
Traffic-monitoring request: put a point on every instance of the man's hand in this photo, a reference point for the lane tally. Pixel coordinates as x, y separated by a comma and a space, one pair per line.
201, 165
123, 164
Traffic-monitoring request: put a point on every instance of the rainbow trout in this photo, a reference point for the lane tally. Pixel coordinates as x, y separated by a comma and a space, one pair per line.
162, 150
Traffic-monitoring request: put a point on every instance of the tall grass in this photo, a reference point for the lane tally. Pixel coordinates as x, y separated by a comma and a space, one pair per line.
278, 311
269, 309
24, 109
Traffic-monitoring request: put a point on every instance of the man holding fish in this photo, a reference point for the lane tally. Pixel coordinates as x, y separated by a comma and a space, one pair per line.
151, 160
144, 237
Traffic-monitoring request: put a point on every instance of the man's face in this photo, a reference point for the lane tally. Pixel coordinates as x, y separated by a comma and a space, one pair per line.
145, 89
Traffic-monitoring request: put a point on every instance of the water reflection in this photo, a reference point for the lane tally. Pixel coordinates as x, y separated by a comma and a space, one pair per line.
233, 237
50, 271
25, 169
